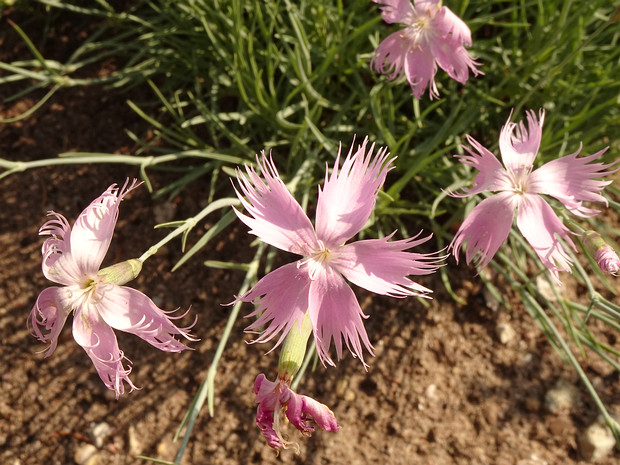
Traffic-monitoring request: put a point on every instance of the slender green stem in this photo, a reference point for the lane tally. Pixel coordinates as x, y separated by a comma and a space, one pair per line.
207, 388
188, 224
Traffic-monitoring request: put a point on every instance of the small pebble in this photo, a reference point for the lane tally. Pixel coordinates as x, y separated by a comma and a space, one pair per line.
561, 398
135, 444
86, 454
505, 333
99, 433
596, 442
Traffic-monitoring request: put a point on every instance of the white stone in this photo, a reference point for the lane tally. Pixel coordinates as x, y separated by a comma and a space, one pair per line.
505, 333
86, 455
562, 397
99, 433
596, 442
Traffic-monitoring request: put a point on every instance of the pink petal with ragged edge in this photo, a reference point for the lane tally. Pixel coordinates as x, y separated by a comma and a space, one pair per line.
349, 194
275, 216
56, 247
572, 181
283, 301
336, 315
450, 26
395, 11
129, 310
454, 59
92, 232
299, 410
539, 225
420, 69
99, 342
491, 174
389, 57
382, 266
486, 228
48, 315
519, 145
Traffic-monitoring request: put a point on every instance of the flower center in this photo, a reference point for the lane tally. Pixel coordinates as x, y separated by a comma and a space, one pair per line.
519, 180
316, 260
91, 290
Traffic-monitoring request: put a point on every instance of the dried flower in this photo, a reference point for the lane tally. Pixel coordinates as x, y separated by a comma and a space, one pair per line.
569, 179
433, 35
97, 298
316, 282
300, 410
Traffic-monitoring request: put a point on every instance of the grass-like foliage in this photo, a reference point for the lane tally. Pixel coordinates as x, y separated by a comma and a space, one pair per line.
231, 78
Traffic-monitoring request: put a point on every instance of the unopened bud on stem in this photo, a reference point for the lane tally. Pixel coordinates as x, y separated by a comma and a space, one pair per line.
605, 256
294, 349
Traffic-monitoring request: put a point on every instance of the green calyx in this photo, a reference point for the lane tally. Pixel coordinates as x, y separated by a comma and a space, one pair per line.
121, 273
294, 349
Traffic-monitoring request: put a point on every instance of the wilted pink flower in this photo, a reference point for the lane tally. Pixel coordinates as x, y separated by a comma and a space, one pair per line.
273, 396
72, 257
433, 35
569, 179
316, 282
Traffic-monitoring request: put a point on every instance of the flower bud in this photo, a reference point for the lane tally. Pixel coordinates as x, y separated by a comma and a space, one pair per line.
121, 273
294, 349
605, 256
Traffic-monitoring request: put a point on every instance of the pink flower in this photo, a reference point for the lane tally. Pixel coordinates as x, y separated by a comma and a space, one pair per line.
72, 257
569, 179
316, 282
274, 396
433, 35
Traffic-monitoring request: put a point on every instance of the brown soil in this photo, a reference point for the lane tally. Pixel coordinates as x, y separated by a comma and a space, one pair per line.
442, 389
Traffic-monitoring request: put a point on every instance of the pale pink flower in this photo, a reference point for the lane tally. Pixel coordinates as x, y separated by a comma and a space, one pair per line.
433, 35
72, 257
272, 397
316, 282
569, 179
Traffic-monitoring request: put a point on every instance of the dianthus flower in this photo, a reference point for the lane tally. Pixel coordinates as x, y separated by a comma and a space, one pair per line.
433, 35
300, 410
316, 283
99, 302
569, 179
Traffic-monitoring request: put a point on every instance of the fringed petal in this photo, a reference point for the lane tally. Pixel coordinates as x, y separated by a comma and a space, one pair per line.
573, 180
491, 174
283, 302
92, 232
395, 11
348, 195
99, 342
519, 145
274, 215
129, 310
485, 229
541, 227
48, 317
336, 315
382, 266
